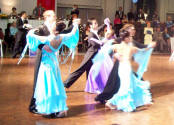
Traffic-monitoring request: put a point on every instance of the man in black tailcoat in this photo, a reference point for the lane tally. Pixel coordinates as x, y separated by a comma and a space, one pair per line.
43, 30
22, 26
94, 44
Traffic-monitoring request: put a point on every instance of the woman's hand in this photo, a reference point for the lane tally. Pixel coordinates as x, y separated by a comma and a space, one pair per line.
77, 21
153, 44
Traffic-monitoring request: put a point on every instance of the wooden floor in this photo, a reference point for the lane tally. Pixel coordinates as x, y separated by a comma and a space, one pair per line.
16, 83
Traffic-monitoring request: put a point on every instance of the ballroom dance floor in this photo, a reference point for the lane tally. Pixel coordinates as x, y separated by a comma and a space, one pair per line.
16, 82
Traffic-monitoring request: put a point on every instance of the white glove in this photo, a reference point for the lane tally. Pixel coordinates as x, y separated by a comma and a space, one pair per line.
107, 21
76, 21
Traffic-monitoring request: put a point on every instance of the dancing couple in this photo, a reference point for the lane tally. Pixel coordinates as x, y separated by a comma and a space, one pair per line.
49, 97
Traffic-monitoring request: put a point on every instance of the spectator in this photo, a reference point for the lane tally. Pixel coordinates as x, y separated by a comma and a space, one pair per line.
158, 37
38, 11
117, 24
120, 13
166, 37
124, 20
13, 31
14, 14
140, 15
171, 30
75, 10
130, 15
155, 16
148, 32
7, 36
169, 22
21, 25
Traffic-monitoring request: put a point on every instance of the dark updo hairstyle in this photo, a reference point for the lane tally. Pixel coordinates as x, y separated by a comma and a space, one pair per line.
60, 26
124, 34
14, 8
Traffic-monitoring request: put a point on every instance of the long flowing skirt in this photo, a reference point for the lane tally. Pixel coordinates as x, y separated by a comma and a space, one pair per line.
133, 92
50, 93
96, 83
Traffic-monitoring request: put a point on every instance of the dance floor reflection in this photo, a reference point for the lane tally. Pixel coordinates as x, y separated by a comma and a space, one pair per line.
16, 83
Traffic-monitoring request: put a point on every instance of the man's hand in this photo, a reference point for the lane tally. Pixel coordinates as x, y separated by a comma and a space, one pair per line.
107, 21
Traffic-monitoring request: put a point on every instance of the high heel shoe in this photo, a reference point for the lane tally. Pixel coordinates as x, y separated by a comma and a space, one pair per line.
61, 114
110, 106
149, 104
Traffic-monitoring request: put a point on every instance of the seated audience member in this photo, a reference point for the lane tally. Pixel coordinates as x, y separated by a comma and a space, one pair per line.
13, 31
166, 37
124, 20
169, 22
117, 24
158, 37
75, 10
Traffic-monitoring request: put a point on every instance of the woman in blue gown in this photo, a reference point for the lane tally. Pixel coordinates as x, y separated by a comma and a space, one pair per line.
133, 92
49, 92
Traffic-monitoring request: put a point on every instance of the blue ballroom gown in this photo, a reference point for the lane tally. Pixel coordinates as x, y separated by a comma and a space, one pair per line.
50, 93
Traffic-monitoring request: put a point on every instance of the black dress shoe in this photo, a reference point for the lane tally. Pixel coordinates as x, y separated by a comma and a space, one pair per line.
101, 101
33, 111
52, 115
96, 98
66, 85
32, 106
14, 56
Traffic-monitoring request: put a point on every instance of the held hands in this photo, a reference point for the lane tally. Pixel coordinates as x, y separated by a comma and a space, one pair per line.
117, 56
76, 21
27, 26
153, 44
107, 21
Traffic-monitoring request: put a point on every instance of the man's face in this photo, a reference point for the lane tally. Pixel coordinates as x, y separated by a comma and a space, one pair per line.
24, 15
94, 25
132, 31
120, 8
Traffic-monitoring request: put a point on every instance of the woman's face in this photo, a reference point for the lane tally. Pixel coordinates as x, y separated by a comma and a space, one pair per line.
148, 25
127, 39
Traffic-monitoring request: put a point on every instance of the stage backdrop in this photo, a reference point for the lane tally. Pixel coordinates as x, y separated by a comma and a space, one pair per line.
47, 4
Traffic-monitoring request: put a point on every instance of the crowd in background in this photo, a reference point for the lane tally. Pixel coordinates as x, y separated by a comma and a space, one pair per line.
148, 29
